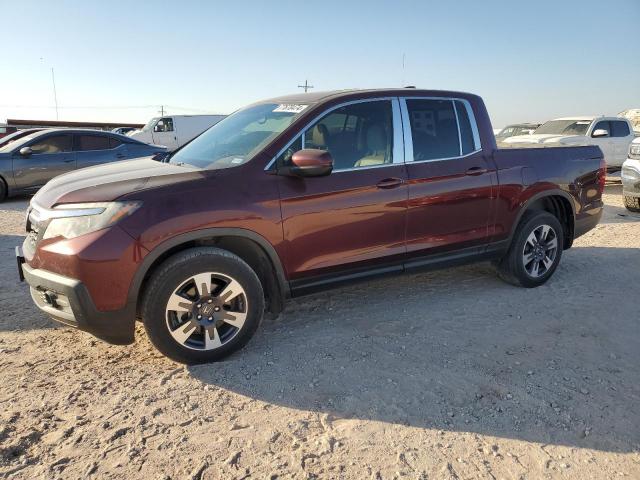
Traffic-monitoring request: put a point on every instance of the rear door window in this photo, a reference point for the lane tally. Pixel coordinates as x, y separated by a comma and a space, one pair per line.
52, 144
619, 129
115, 142
91, 142
434, 129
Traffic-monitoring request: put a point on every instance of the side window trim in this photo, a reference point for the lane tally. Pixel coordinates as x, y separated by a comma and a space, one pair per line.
399, 146
455, 112
408, 138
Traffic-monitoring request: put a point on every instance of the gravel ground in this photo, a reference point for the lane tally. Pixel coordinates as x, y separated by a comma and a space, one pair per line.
449, 374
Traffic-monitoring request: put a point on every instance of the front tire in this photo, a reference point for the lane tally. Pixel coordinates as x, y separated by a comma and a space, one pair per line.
201, 305
632, 204
535, 251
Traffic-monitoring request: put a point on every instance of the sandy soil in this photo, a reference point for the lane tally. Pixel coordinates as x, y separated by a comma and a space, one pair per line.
450, 374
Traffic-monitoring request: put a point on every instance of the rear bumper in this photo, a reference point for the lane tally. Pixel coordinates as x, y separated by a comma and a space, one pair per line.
67, 301
586, 223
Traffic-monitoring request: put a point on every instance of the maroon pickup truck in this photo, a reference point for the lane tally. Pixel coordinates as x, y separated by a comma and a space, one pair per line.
292, 195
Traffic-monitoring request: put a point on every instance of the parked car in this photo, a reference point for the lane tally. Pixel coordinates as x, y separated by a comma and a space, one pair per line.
612, 134
6, 130
631, 178
516, 129
33, 160
12, 137
290, 196
175, 130
124, 130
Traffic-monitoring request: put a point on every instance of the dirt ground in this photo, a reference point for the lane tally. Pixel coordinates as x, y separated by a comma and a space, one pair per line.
449, 374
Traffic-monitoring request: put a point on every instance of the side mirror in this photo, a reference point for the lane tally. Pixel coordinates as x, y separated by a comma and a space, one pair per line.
26, 151
599, 133
309, 162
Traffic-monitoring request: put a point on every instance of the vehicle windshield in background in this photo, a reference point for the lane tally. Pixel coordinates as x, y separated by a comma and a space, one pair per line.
149, 125
238, 137
564, 127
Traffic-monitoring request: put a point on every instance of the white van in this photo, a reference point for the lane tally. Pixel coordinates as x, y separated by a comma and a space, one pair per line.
173, 131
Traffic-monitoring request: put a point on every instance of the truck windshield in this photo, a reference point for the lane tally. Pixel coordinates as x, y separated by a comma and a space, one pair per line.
564, 127
238, 137
150, 124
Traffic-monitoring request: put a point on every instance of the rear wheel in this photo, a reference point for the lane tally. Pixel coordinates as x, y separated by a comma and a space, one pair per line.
202, 305
632, 203
535, 251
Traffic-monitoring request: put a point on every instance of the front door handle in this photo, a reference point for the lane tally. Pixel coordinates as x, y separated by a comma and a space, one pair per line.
120, 155
68, 161
391, 182
476, 171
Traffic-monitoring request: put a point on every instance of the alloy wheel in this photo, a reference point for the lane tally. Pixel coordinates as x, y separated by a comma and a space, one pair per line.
206, 311
540, 251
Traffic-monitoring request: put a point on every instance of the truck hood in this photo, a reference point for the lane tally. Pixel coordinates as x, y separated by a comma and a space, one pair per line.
539, 138
105, 183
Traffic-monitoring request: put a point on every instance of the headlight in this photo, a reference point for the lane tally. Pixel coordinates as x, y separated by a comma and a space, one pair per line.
634, 151
74, 219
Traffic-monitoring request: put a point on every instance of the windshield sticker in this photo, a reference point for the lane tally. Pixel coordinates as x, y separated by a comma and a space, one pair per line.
290, 108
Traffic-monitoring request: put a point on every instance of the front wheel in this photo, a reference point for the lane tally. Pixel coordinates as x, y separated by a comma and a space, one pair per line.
201, 305
632, 203
535, 251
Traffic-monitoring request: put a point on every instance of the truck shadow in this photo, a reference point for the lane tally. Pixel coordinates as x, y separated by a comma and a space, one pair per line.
460, 350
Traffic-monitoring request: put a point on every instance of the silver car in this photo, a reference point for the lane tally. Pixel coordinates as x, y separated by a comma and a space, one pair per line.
31, 161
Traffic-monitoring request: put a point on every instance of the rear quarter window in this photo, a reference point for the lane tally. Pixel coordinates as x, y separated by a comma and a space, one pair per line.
91, 142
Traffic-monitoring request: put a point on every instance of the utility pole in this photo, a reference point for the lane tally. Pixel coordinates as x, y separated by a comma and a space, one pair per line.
55, 95
161, 111
306, 86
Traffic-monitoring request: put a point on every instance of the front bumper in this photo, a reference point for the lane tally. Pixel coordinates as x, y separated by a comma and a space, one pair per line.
67, 300
630, 184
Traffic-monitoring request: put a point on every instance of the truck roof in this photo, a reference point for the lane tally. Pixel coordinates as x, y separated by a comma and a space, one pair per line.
317, 97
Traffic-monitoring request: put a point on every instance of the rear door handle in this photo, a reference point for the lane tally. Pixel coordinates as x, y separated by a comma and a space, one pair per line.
68, 161
476, 171
120, 155
391, 182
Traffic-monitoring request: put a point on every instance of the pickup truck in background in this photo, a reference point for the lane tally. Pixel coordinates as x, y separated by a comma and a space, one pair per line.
515, 130
631, 178
293, 195
612, 134
173, 131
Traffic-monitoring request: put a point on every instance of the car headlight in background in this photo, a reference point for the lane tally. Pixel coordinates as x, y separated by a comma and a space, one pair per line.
634, 151
74, 219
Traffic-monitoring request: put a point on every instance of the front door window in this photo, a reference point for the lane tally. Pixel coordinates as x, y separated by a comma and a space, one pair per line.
359, 135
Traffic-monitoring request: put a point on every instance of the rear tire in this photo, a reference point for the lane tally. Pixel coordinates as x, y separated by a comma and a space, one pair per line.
202, 305
535, 251
632, 204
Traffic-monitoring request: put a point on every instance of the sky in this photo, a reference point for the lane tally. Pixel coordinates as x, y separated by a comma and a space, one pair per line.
121, 61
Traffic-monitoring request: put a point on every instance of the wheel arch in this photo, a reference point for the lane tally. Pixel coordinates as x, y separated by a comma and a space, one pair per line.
248, 245
557, 202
